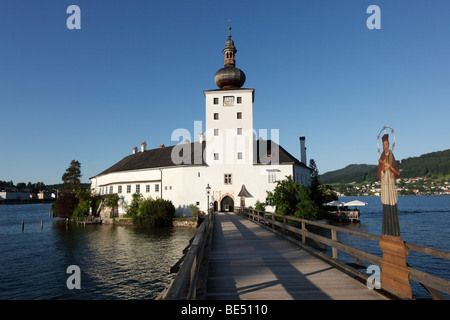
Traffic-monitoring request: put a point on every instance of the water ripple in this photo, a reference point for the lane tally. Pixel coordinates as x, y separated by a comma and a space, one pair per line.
116, 262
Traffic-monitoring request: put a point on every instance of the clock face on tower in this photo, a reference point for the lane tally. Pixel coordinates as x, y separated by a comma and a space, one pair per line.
228, 101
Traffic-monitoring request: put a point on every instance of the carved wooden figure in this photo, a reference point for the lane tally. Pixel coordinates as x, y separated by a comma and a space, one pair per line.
394, 271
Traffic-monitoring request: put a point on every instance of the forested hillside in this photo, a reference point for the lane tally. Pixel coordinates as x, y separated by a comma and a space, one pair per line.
433, 165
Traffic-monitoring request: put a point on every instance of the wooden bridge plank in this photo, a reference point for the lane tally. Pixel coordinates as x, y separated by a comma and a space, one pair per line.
248, 262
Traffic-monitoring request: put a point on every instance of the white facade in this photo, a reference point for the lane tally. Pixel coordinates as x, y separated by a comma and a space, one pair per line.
233, 157
14, 195
230, 162
229, 122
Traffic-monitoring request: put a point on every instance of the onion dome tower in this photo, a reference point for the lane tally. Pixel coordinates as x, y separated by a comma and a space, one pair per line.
229, 76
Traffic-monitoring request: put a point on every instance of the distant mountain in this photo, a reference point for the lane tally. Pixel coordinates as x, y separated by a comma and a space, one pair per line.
434, 164
352, 173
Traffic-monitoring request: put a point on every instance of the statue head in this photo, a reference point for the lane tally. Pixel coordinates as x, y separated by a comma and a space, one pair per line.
385, 140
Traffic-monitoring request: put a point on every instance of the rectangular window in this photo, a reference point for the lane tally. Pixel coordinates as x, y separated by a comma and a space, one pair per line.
239, 131
239, 100
216, 116
156, 187
216, 132
216, 100
147, 188
272, 177
111, 189
129, 188
119, 189
227, 178
138, 188
239, 115
216, 156
239, 155
199, 174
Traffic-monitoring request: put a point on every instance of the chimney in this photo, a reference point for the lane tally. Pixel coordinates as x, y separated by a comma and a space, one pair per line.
143, 146
302, 150
134, 150
162, 146
201, 138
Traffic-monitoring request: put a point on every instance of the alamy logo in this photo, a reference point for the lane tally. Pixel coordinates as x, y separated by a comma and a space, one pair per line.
374, 281
374, 21
226, 146
74, 280
74, 20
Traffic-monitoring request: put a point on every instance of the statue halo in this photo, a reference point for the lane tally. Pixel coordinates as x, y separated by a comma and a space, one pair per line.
379, 134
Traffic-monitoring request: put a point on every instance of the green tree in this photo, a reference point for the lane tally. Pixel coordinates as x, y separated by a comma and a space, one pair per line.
155, 213
71, 193
132, 209
21, 185
290, 198
260, 206
65, 205
285, 196
72, 178
112, 201
85, 203
314, 174
194, 210
320, 193
306, 208
81, 211
323, 193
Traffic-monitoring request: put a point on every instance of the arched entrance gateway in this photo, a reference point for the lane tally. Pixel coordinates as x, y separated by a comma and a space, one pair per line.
227, 204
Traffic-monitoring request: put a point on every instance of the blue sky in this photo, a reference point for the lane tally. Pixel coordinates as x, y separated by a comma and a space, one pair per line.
136, 71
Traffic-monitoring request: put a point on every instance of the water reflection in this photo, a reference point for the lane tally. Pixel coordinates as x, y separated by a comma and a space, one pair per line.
121, 262
116, 262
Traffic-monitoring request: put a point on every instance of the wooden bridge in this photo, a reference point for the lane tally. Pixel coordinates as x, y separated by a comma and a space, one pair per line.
255, 255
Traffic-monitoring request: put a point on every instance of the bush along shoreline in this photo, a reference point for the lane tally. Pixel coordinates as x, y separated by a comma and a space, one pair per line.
159, 213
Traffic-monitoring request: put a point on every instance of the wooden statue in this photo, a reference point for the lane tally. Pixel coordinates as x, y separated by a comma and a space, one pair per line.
387, 173
394, 270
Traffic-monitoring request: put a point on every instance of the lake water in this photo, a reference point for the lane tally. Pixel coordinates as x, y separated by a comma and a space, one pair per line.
125, 262
424, 220
116, 262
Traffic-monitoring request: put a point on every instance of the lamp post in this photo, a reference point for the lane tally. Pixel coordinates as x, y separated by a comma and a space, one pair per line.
208, 190
212, 201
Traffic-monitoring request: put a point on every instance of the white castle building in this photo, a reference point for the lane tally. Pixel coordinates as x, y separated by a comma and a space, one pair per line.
228, 158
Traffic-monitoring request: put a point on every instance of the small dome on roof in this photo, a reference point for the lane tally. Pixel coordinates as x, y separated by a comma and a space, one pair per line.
229, 76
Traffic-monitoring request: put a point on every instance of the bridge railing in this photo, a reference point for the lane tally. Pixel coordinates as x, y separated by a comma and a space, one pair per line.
186, 282
299, 228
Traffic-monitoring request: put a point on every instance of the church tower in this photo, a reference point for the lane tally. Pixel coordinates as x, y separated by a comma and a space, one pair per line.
229, 114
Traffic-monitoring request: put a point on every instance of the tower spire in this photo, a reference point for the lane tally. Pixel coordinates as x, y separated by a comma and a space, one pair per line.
229, 76
230, 50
